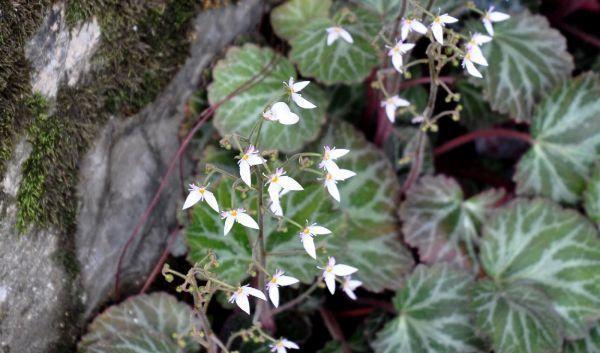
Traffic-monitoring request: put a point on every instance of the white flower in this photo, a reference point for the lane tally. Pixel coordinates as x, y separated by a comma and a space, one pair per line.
250, 157
479, 39
472, 57
294, 88
437, 27
396, 53
307, 235
279, 280
199, 193
238, 215
329, 156
282, 113
333, 33
240, 297
410, 24
332, 270
391, 104
331, 180
281, 345
278, 183
349, 286
493, 16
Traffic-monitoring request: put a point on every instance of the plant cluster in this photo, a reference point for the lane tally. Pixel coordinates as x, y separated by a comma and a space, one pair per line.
294, 195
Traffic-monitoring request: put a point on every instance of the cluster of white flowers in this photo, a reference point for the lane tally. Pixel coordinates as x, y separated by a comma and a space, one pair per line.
280, 184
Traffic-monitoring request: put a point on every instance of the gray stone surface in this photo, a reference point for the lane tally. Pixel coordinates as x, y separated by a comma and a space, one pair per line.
123, 170
118, 176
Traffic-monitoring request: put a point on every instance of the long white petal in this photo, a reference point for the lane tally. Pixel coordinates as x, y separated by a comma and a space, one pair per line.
255, 293
471, 69
330, 282
301, 102
211, 200
245, 220
275, 207
281, 350
399, 102
333, 190
273, 190
290, 344
480, 39
488, 26
346, 36
242, 301
438, 32
255, 159
448, 19
193, 197
299, 86
330, 166
337, 153
404, 30
397, 61
245, 172
343, 174
350, 293
289, 119
289, 183
309, 246
286, 280
498, 16
418, 27
343, 270
406, 47
318, 230
274, 295
228, 225
390, 111
477, 56
332, 37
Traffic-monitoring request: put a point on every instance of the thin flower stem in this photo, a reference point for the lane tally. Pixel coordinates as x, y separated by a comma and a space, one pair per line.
314, 171
292, 303
221, 283
289, 220
461, 140
260, 267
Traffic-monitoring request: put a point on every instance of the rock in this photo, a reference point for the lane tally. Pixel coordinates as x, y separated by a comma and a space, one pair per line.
43, 303
120, 174
57, 53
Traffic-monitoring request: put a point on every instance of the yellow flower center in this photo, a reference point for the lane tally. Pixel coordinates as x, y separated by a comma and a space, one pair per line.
329, 177
201, 190
306, 231
274, 280
275, 179
279, 344
234, 213
437, 19
468, 56
245, 157
329, 269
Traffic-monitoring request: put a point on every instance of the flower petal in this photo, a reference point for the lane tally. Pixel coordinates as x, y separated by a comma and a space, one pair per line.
333, 190
245, 172
346, 36
299, 86
228, 225
471, 69
274, 295
343, 270
275, 207
390, 111
245, 220
242, 302
438, 32
309, 246
343, 174
404, 30
211, 200
193, 197
289, 183
397, 61
290, 344
332, 37
349, 293
301, 102
477, 56
418, 27
330, 282
498, 16
337, 153
318, 230
448, 19
488, 26
287, 280
255, 293
255, 159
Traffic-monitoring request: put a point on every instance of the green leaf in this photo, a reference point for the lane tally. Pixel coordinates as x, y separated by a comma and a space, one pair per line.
440, 222
589, 344
536, 242
149, 323
591, 196
242, 112
526, 58
288, 18
401, 147
518, 318
365, 233
340, 62
433, 314
387, 8
566, 134
477, 113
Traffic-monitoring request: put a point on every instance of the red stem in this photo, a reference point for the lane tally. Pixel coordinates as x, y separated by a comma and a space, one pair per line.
461, 140
163, 258
425, 80
203, 117
334, 329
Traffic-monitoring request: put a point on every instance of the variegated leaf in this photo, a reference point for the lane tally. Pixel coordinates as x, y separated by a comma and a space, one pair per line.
243, 111
433, 314
365, 234
340, 62
526, 58
518, 318
566, 134
539, 243
401, 148
154, 323
589, 344
476, 112
591, 196
441, 223
288, 18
